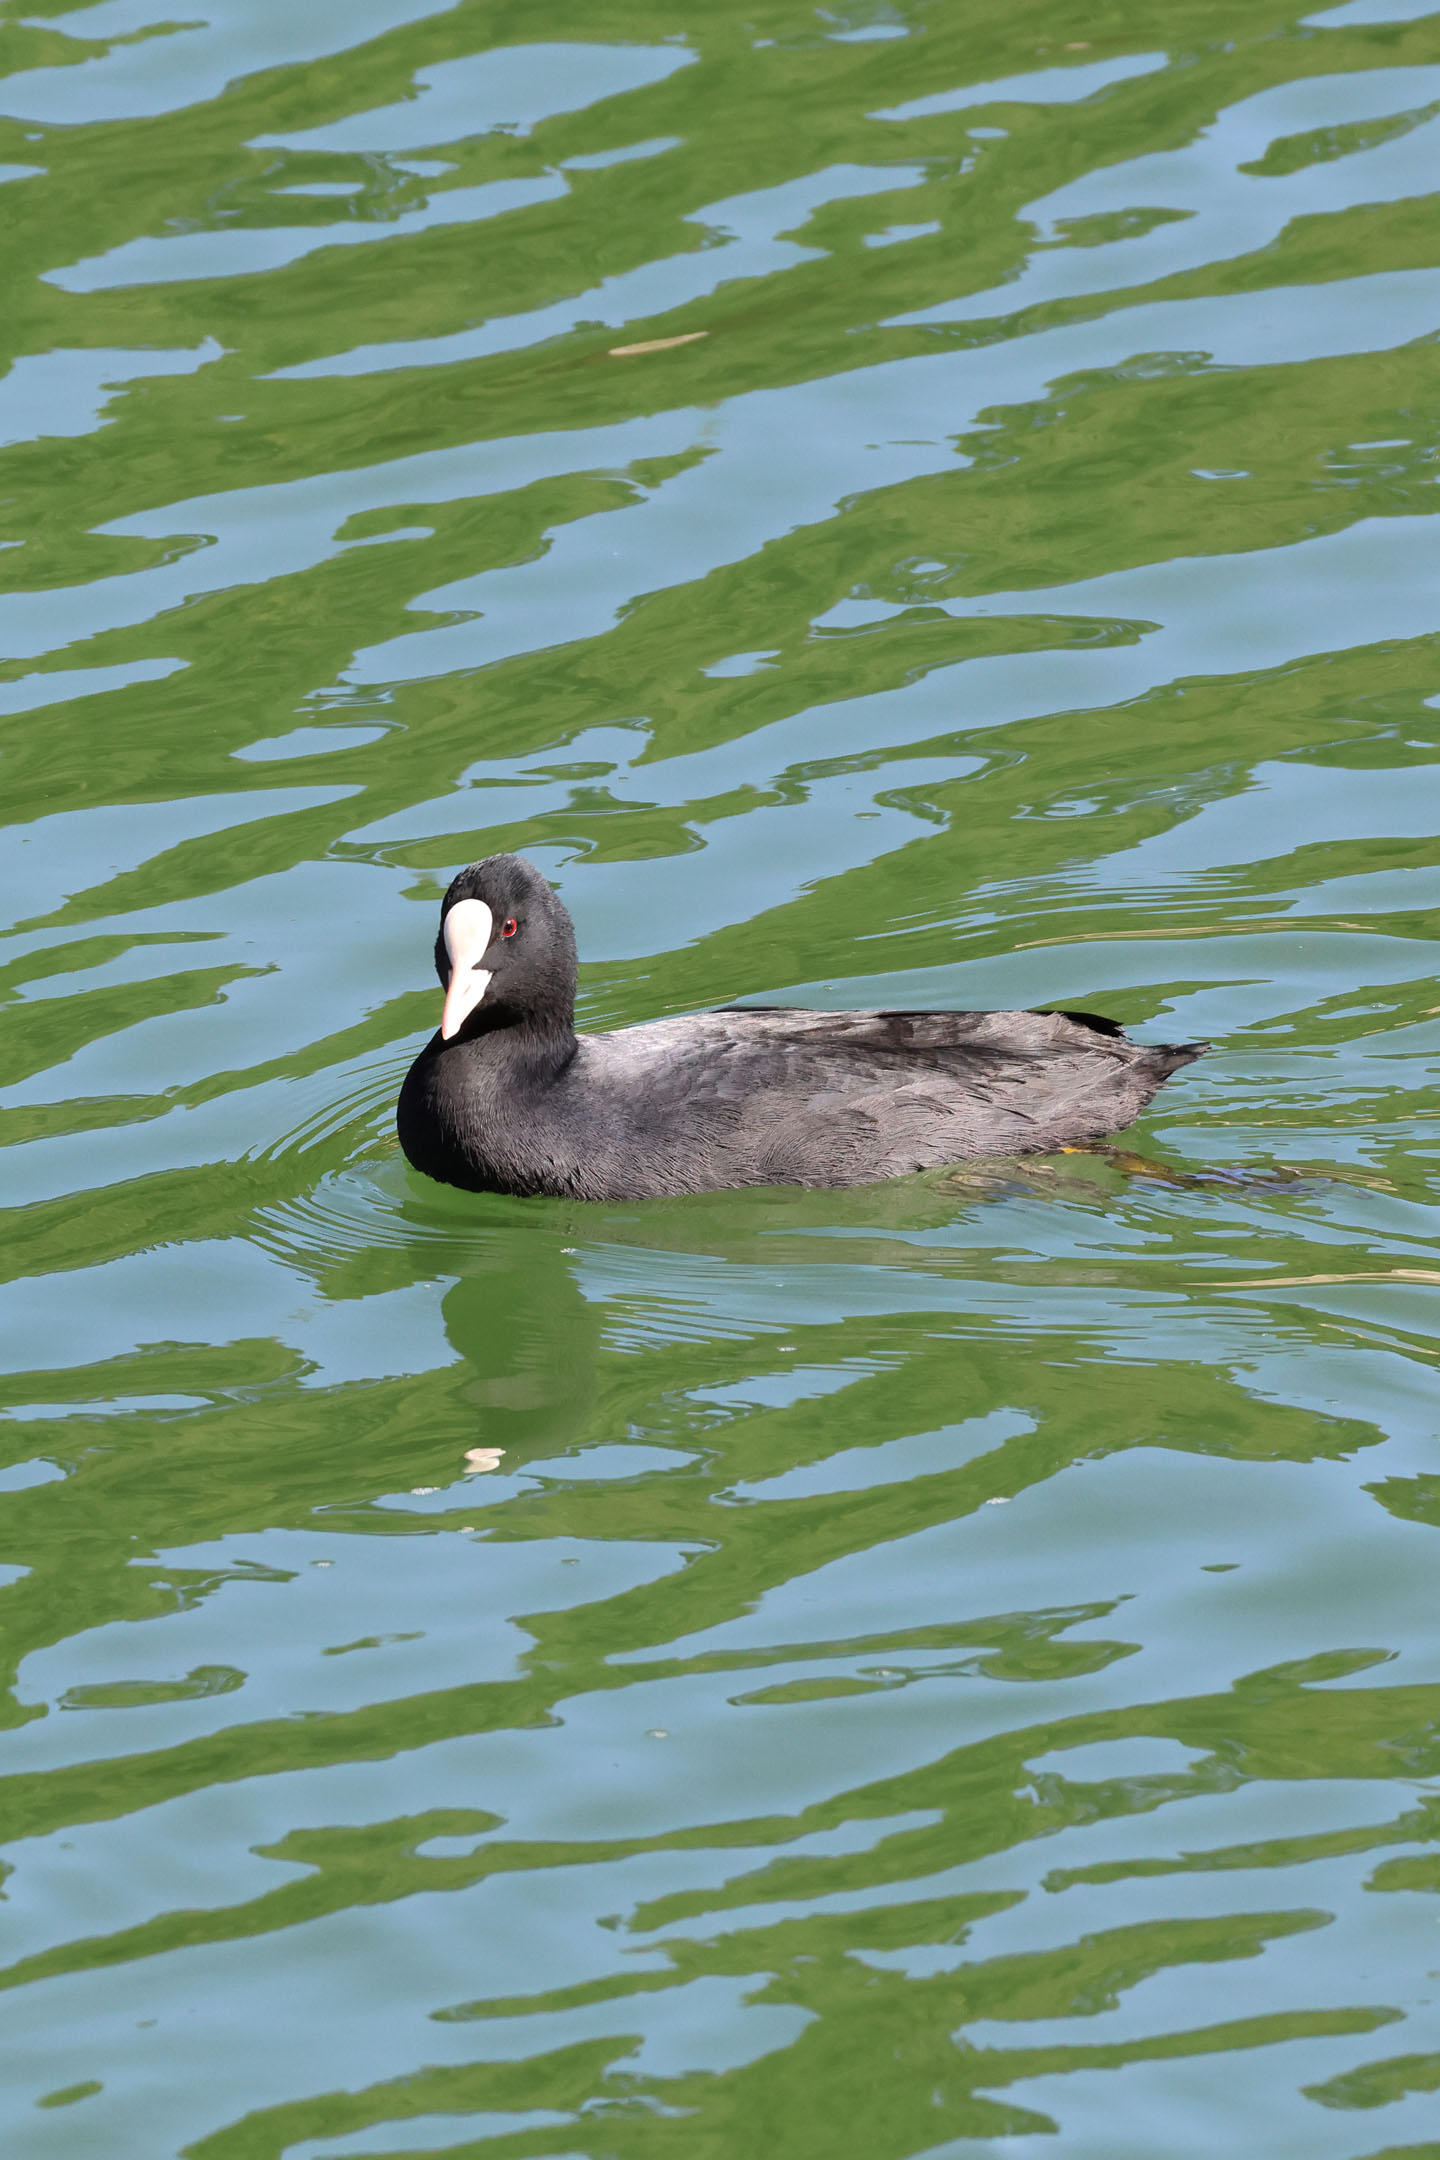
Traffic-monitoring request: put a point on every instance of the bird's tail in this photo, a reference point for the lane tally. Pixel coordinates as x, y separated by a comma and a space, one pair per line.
1168, 1058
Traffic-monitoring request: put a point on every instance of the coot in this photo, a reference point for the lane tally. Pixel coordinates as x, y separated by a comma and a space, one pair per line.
508, 1098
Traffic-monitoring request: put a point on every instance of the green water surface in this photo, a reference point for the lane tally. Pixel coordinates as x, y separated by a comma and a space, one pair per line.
951, 1669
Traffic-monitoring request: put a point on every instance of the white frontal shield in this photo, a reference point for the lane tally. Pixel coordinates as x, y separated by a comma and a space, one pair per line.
467, 940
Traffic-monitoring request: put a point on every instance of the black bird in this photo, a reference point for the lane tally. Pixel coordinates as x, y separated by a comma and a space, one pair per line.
508, 1098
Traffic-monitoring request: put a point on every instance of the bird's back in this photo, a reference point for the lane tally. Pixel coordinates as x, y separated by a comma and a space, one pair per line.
767, 1095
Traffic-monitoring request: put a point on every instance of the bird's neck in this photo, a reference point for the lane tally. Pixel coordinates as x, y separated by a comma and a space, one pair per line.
526, 1047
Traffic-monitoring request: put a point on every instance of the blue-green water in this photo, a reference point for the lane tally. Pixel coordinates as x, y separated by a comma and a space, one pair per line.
950, 1669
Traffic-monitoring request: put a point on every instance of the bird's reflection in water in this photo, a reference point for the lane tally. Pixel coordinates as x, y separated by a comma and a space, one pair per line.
537, 1353
530, 1341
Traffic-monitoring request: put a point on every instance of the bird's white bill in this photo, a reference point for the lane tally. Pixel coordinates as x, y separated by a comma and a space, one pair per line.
467, 940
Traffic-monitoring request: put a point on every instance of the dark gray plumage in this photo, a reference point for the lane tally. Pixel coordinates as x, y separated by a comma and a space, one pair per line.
514, 1101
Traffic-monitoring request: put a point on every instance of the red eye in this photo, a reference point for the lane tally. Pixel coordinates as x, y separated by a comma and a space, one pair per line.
509, 926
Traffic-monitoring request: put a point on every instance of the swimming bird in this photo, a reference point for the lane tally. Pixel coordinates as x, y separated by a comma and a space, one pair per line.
508, 1098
